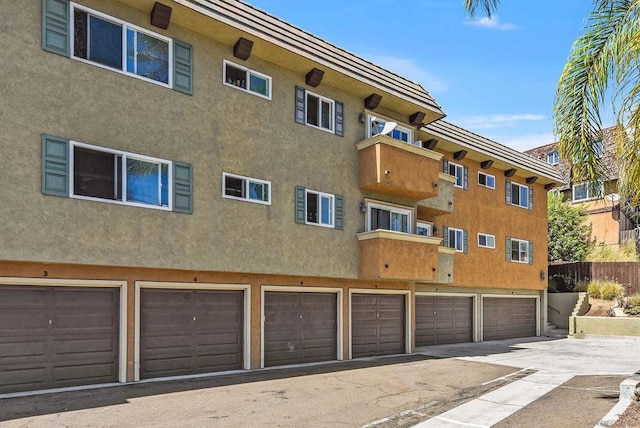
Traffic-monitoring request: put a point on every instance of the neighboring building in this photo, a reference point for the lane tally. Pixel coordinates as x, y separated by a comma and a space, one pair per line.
613, 220
217, 196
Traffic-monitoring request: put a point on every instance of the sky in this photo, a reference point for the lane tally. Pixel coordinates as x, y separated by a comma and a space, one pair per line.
494, 77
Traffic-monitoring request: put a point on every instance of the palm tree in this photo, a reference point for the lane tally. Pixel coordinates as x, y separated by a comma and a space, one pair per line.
604, 60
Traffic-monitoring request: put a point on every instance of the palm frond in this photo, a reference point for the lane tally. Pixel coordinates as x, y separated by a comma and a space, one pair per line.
488, 7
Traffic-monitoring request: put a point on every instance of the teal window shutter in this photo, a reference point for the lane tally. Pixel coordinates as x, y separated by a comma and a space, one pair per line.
445, 236
530, 252
182, 67
339, 212
300, 105
339, 119
182, 187
445, 166
508, 249
508, 191
55, 26
465, 238
300, 205
55, 166
466, 178
530, 198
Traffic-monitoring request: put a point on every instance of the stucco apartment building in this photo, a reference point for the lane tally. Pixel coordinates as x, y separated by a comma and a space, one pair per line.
614, 220
196, 186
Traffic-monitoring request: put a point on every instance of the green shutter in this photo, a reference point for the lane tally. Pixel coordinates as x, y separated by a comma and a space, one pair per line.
339, 119
508, 191
55, 26
182, 67
339, 212
445, 236
300, 205
445, 166
55, 166
300, 107
530, 252
465, 241
508, 249
466, 177
530, 198
182, 187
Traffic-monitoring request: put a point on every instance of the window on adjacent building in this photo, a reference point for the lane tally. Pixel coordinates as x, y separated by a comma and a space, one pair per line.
248, 80
115, 44
388, 217
100, 173
399, 132
424, 229
519, 195
598, 148
486, 240
456, 238
486, 180
553, 158
246, 188
519, 250
586, 191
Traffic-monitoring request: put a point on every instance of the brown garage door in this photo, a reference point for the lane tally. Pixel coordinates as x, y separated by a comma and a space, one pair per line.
377, 324
443, 319
190, 331
505, 318
52, 337
299, 328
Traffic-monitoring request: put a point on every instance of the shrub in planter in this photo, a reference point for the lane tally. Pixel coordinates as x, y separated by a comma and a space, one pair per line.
606, 290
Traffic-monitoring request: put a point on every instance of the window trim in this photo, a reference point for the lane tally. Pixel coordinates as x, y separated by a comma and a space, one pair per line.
518, 241
333, 208
555, 158
246, 182
486, 235
456, 229
589, 190
391, 208
125, 155
399, 126
459, 167
526, 206
487, 175
332, 115
248, 72
125, 25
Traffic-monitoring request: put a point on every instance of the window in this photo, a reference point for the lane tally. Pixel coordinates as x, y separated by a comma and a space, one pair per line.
519, 250
245, 188
319, 208
458, 171
553, 158
105, 174
376, 126
486, 180
519, 195
389, 218
319, 111
598, 148
486, 241
424, 229
247, 80
586, 191
111, 43
456, 238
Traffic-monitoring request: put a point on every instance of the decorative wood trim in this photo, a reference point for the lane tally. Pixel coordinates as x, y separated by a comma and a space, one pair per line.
510, 172
486, 164
160, 15
242, 48
314, 77
372, 101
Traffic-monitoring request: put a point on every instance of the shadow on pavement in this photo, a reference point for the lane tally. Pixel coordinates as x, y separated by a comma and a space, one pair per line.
481, 349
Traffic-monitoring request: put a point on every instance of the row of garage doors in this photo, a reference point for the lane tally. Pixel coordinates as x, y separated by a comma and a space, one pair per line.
67, 336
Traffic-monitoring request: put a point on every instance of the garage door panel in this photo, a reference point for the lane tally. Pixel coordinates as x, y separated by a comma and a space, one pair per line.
377, 324
443, 319
23, 297
72, 297
17, 321
506, 318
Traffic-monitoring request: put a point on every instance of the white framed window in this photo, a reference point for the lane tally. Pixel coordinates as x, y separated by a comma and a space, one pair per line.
587, 191
424, 228
553, 158
458, 172
107, 42
519, 195
388, 217
598, 148
246, 188
455, 238
486, 241
486, 180
520, 250
319, 208
319, 111
399, 132
108, 175
246, 79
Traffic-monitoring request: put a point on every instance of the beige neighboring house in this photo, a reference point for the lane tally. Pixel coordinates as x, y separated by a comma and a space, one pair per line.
614, 221
196, 186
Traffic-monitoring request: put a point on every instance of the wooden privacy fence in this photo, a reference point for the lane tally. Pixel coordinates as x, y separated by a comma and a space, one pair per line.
626, 273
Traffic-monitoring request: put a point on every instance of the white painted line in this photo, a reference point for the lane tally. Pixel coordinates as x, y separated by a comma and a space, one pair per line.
498, 379
414, 411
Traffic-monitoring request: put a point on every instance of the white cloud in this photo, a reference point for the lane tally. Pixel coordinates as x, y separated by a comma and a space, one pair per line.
408, 68
493, 23
498, 120
526, 141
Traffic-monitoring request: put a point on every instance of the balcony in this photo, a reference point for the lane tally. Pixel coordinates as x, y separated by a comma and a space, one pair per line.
386, 254
392, 167
440, 204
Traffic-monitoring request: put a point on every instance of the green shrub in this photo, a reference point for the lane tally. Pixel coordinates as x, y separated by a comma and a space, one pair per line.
581, 286
634, 300
613, 253
606, 290
593, 289
632, 310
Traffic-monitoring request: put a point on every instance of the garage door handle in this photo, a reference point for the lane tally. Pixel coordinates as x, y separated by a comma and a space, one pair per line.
50, 322
194, 318
300, 316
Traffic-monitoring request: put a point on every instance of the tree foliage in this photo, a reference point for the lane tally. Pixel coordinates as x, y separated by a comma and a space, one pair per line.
569, 237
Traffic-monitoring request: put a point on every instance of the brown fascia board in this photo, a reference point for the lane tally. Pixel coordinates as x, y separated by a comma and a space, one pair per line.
254, 21
480, 144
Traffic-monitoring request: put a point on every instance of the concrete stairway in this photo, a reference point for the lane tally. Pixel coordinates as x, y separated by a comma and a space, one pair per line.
555, 332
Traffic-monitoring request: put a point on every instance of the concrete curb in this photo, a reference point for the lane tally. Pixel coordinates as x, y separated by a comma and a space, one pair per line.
627, 396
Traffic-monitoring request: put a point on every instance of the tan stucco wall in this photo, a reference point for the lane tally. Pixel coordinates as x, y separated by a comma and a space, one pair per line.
607, 326
398, 259
604, 221
561, 306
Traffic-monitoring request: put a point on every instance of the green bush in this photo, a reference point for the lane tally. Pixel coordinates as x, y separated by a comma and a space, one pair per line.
581, 286
634, 300
606, 290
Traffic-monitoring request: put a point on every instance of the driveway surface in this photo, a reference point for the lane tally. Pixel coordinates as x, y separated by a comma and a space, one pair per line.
506, 383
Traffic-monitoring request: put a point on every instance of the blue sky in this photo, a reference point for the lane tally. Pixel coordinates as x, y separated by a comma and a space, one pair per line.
496, 78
